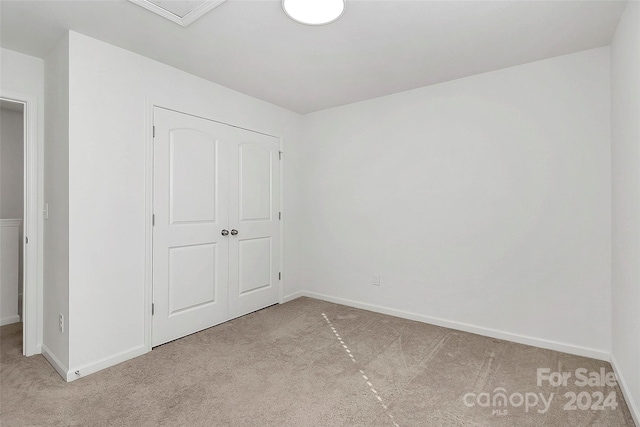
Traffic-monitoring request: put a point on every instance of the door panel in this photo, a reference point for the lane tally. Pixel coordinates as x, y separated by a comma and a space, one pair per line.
254, 269
255, 182
192, 277
192, 160
190, 256
254, 198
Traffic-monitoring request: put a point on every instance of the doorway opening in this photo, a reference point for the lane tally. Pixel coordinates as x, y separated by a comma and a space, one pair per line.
12, 202
21, 219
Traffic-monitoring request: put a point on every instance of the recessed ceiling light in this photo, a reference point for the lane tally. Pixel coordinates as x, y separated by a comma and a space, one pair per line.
314, 12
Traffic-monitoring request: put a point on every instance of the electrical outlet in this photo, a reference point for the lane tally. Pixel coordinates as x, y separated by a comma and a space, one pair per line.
376, 280
61, 322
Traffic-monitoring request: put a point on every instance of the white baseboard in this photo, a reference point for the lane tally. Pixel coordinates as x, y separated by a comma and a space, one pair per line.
9, 320
293, 296
84, 370
633, 408
60, 367
521, 339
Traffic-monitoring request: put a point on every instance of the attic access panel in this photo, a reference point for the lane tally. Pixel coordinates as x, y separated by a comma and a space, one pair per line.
182, 12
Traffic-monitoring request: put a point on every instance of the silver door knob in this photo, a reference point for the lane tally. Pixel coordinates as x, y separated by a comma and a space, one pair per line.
225, 232
234, 232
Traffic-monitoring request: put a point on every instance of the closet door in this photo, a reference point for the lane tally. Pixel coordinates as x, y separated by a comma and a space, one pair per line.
254, 246
190, 248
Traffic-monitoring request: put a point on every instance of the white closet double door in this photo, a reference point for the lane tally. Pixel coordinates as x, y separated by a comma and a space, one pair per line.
216, 224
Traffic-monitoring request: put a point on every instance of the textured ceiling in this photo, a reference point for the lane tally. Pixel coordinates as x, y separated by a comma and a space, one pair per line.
376, 48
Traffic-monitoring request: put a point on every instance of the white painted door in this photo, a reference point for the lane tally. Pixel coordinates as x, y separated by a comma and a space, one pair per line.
216, 238
254, 171
190, 255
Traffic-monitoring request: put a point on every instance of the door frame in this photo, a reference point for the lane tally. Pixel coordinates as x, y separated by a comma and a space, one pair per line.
150, 105
32, 226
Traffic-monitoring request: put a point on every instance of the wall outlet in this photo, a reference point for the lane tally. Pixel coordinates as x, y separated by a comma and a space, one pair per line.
61, 322
376, 280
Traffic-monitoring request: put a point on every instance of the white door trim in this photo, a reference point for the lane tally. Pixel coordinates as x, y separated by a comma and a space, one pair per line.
32, 294
150, 104
148, 225
281, 219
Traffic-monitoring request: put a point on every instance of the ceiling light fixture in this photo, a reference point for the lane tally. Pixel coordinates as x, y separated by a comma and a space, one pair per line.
314, 12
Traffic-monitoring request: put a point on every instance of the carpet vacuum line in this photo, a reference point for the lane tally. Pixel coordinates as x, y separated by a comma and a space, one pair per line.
364, 376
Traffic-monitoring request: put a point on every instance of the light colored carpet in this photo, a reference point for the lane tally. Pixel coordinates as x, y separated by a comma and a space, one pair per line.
288, 365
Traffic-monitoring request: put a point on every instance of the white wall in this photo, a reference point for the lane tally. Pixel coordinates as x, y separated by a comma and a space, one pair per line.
24, 74
625, 136
12, 174
11, 164
110, 90
56, 228
483, 203
297, 273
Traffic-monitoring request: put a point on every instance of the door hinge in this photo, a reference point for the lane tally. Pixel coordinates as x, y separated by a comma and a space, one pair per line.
153, 220
279, 155
279, 215
153, 309
279, 276
154, 131
26, 240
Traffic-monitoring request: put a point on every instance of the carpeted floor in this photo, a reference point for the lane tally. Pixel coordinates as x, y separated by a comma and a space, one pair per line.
292, 365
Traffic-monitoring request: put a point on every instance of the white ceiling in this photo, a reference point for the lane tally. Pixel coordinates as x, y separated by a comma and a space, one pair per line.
376, 48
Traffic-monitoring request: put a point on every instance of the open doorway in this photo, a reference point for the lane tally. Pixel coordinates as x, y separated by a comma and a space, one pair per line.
12, 215
21, 185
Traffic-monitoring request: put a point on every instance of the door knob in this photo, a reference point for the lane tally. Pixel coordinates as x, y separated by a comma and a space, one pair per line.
225, 232
234, 232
